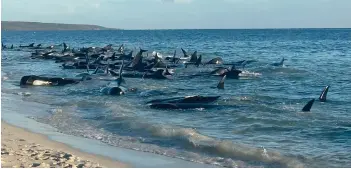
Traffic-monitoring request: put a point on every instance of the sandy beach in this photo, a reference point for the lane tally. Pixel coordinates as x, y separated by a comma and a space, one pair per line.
21, 148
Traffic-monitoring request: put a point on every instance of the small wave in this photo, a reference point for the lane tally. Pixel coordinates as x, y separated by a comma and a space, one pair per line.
246, 73
223, 148
283, 69
155, 93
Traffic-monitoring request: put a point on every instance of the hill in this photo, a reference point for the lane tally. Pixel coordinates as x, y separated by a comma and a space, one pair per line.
38, 26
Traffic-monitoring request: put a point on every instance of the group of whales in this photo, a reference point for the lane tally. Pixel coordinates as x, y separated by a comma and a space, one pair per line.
106, 61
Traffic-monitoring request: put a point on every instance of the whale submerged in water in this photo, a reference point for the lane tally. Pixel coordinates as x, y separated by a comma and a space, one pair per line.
187, 102
34, 80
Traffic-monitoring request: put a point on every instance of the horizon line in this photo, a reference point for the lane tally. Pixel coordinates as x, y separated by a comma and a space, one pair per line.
258, 28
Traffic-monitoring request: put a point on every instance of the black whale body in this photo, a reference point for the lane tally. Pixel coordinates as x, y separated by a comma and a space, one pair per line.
188, 102
50, 81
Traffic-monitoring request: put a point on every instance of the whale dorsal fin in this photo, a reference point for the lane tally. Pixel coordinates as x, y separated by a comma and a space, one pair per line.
323, 96
174, 56
96, 70
130, 55
120, 78
221, 83
113, 57
233, 67
121, 69
193, 57
282, 61
198, 61
308, 106
120, 49
184, 52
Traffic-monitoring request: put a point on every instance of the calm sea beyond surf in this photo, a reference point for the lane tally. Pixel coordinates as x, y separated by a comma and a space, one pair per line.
258, 121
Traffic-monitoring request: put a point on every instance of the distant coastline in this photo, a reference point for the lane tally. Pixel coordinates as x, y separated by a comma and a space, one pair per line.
39, 26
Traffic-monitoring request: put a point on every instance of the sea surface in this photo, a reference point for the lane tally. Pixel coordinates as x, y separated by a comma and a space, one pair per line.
258, 121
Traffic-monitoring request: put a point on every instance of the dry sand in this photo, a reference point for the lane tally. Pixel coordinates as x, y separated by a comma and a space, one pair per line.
21, 148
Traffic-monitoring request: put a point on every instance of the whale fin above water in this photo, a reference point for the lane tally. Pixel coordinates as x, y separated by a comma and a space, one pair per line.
129, 56
121, 49
167, 72
96, 70
193, 57
113, 57
64, 46
137, 61
184, 53
221, 82
217, 60
198, 61
308, 106
281, 63
323, 96
120, 78
174, 56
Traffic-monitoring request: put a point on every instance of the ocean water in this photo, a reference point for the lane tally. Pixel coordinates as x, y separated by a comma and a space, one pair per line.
258, 121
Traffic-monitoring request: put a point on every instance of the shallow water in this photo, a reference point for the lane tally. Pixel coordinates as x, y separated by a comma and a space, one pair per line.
258, 122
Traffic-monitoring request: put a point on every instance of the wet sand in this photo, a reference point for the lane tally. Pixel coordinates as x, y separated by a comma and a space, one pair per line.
21, 148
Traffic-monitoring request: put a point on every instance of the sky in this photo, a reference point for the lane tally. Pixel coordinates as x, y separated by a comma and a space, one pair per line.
184, 14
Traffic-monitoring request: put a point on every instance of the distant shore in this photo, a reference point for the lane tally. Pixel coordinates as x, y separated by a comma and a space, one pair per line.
21, 148
39, 26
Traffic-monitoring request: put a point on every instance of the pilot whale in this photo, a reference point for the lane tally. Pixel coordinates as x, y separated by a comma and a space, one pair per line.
323, 96
48, 81
308, 106
188, 102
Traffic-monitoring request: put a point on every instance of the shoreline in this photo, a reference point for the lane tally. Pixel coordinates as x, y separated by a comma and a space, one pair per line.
14, 112
22, 148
